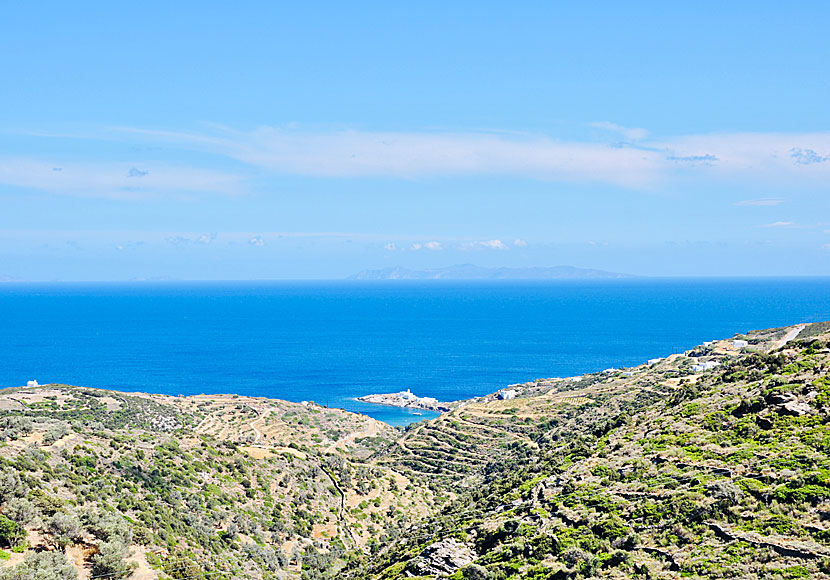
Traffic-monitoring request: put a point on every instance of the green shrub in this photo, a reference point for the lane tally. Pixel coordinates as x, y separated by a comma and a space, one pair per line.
11, 533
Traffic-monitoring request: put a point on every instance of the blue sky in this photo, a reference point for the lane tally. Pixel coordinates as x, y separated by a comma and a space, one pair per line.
274, 140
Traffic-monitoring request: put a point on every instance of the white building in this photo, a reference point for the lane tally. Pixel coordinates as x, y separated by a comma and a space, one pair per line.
32, 384
407, 395
740, 343
708, 365
654, 361
507, 395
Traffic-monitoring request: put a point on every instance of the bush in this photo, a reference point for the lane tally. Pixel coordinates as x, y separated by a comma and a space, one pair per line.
65, 529
11, 533
41, 566
20, 510
109, 561
475, 572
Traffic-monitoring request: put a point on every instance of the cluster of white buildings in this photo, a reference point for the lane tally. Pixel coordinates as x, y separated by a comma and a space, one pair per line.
408, 396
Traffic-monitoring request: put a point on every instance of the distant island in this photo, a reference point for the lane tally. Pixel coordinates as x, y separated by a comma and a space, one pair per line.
472, 272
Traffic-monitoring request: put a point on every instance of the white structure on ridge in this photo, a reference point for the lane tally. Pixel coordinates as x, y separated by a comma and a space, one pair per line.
507, 395
32, 384
407, 396
708, 365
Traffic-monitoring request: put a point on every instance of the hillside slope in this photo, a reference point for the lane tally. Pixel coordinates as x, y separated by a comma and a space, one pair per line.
709, 464
145, 486
657, 471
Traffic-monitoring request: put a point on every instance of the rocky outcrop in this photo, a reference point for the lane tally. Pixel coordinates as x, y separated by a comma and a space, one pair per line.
443, 558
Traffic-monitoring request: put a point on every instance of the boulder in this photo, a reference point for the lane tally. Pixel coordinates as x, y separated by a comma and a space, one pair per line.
795, 408
443, 558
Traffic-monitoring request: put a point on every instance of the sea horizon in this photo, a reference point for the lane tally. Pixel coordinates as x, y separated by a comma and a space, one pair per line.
333, 341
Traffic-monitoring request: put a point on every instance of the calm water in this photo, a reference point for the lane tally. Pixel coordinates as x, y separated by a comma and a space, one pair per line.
330, 342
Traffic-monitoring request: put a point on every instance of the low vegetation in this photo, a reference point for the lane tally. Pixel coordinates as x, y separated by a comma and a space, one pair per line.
653, 472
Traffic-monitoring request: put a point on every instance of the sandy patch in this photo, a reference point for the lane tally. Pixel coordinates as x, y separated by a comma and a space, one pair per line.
143, 572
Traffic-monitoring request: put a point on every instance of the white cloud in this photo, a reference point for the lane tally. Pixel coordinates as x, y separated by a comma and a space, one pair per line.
257, 241
390, 246
206, 238
413, 155
767, 201
748, 156
185, 240
779, 225
630, 133
433, 245
780, 158
483, 245
519, 243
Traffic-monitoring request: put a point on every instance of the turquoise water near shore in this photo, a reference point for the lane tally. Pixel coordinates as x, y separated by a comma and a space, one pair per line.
333, 341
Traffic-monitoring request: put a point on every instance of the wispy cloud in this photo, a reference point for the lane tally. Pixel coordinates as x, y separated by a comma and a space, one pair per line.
351, 153
780, 225
647, 162
764, 202
116, 180
630, 133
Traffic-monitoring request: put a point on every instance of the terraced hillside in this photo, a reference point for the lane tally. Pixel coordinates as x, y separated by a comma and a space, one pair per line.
657, 471
708, 464
102, 484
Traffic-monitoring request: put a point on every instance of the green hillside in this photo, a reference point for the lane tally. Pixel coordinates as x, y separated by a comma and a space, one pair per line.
675, 469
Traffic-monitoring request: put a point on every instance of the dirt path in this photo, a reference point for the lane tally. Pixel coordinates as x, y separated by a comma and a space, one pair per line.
790, 335
257, 432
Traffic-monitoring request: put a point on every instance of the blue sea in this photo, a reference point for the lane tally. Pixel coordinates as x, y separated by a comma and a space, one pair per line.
333, 341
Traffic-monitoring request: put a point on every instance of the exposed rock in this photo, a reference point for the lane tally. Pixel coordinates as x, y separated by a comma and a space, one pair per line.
795, 408
444, 558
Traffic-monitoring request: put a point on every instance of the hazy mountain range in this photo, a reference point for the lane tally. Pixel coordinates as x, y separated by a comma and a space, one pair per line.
472, 272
